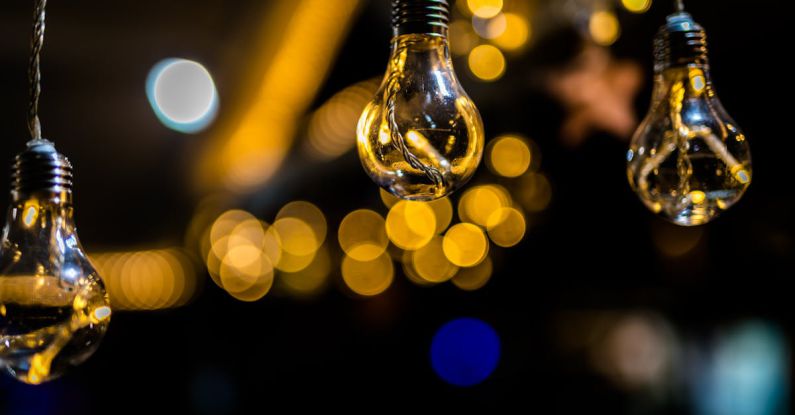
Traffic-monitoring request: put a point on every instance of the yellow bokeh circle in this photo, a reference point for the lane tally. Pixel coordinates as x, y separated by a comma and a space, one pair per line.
465, 245
368, 278
410, 225
362, 235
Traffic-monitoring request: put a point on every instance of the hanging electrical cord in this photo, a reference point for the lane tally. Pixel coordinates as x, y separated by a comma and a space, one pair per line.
34, 69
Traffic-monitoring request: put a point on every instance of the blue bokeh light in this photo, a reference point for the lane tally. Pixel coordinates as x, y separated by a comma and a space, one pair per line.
465, 351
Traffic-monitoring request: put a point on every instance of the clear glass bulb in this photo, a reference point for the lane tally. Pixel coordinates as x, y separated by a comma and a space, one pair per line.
688, 160
421, 138
53, 307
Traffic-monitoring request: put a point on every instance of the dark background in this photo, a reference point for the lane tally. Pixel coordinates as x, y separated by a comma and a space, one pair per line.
591, 253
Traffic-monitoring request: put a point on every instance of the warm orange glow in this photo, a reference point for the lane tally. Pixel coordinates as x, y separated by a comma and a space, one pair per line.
534, 192
486, 62
516, 33
430, 262
474, 278
146, 280
307, 213
465, 245
362, 235
311, 280
410, 225
506, 227
295, 50
484, 8
332, 128
368, 278
509, 156
478, 203
604, 27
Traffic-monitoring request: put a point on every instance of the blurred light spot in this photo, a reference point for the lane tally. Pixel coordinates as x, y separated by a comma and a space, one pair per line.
307, 213
411, 273
182, 94
431, 264
675, 241
388, 198
297, 236
443, 211
697, 197
362, 235
465, 351
484, 8
534, 192
509, 156
636, 351
478, 203
474, 278
462, 37
486, 62
604, 28
295, 263
636, 6
489, 28
292, 54
332, 127
746, 374
147, 280
465, 245
410, 225
516, 33
30, 213
506, 227
312, 279
368, 278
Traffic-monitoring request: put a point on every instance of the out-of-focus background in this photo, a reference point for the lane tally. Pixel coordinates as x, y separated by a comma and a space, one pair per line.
252, 265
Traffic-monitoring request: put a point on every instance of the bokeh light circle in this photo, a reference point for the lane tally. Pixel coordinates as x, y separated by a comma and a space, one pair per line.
465, 351
182, 94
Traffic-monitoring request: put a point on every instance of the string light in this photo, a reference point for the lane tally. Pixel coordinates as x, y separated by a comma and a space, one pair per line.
416, 147
687, 161
55, 308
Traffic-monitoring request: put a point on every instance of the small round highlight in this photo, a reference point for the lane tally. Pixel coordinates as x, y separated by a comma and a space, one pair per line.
478, 203
637, 6
311, 280
506, 227
474, 278
534, 192
431, 264
368, 278
465, 352
509, 156
604, 27
516, 34
465, 245
410, 225
484, 9
182, 94
486, 62
362, 235
297, 237
309, 214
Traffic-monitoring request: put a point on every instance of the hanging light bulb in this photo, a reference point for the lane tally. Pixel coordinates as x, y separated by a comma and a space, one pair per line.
688, 160
53, 306
421, 138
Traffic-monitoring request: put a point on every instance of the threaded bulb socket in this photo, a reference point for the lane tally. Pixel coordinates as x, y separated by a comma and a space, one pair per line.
420, 17
42, 172
680, 42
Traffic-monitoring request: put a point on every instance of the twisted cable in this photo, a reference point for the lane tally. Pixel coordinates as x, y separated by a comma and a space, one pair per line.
398, 141
34, 70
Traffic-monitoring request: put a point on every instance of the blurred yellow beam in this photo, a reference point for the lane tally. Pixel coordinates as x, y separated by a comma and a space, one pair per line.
294, 52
